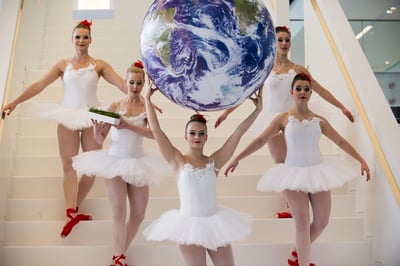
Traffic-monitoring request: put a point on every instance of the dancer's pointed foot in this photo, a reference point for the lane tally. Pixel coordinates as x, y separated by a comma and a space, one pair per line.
283, 215
119, 260
294, 261
71, 223
83, 217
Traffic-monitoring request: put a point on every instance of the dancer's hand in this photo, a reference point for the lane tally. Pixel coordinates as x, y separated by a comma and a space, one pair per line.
231, 167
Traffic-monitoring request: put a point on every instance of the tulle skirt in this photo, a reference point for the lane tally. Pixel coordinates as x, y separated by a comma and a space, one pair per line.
73, 119
149, 169
217, 230
331, 173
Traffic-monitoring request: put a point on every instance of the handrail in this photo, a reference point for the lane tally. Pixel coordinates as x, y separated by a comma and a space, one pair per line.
371, 133
11, 66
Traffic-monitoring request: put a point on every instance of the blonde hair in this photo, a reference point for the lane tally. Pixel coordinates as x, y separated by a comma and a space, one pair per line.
137, 67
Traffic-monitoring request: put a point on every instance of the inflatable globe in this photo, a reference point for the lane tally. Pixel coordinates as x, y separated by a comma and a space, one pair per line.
207, 55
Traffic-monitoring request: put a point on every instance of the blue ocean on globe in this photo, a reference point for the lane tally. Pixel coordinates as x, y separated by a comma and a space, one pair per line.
207, 55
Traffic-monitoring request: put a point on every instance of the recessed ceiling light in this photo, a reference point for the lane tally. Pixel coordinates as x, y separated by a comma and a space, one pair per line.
364, 31
391, 10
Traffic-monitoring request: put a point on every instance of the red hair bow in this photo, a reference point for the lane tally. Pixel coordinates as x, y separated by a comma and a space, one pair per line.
285, 28
86, 23
138, 63
198, 117
305, 75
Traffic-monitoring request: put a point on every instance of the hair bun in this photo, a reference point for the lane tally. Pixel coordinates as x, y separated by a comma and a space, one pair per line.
138, 63
198, 117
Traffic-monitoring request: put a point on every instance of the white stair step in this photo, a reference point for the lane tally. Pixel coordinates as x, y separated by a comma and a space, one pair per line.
268, 230
257, 206
355, 253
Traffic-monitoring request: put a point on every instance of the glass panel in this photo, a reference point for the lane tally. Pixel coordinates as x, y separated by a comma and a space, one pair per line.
379, 40
380, 45
297, 48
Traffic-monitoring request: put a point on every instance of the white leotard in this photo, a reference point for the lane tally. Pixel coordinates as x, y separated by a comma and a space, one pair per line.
277, 91
125, 158
80, 87
126, 143
277, 99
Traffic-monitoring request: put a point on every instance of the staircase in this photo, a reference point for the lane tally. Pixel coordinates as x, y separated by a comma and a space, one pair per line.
36, 206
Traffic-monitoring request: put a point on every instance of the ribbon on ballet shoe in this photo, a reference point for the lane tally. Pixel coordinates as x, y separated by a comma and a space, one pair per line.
83, 217
71, 223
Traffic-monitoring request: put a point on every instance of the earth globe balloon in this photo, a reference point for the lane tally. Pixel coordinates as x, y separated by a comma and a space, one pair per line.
207, 55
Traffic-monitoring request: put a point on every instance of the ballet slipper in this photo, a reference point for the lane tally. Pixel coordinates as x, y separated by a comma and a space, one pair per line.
83, 217
296, 261
71, 223
117, 260
283, 215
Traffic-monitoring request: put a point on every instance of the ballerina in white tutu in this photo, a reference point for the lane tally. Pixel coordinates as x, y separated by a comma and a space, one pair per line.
305, 176
80, 75
200, 226
277, 99
127, 169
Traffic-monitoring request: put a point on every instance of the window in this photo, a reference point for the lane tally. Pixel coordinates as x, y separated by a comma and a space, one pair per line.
93, 9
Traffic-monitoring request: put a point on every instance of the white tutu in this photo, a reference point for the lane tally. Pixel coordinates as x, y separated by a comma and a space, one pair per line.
331, 173
73, 119
211, 232
148, 169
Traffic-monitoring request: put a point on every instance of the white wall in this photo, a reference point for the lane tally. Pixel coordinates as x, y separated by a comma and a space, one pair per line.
8, 20
374, 199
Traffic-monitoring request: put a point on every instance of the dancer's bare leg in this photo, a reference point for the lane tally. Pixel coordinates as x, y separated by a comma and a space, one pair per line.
86, 182
116, 192
299, 204
321, 208
193, 255
68, 146
138, 198
277, 149
223, 256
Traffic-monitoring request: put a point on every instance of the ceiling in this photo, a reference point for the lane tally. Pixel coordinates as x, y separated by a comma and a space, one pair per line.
356, 9
380, 44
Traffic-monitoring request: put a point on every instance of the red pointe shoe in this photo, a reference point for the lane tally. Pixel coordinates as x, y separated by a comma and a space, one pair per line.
117, 260
83, 217
283, 215
71, 223
296, 261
